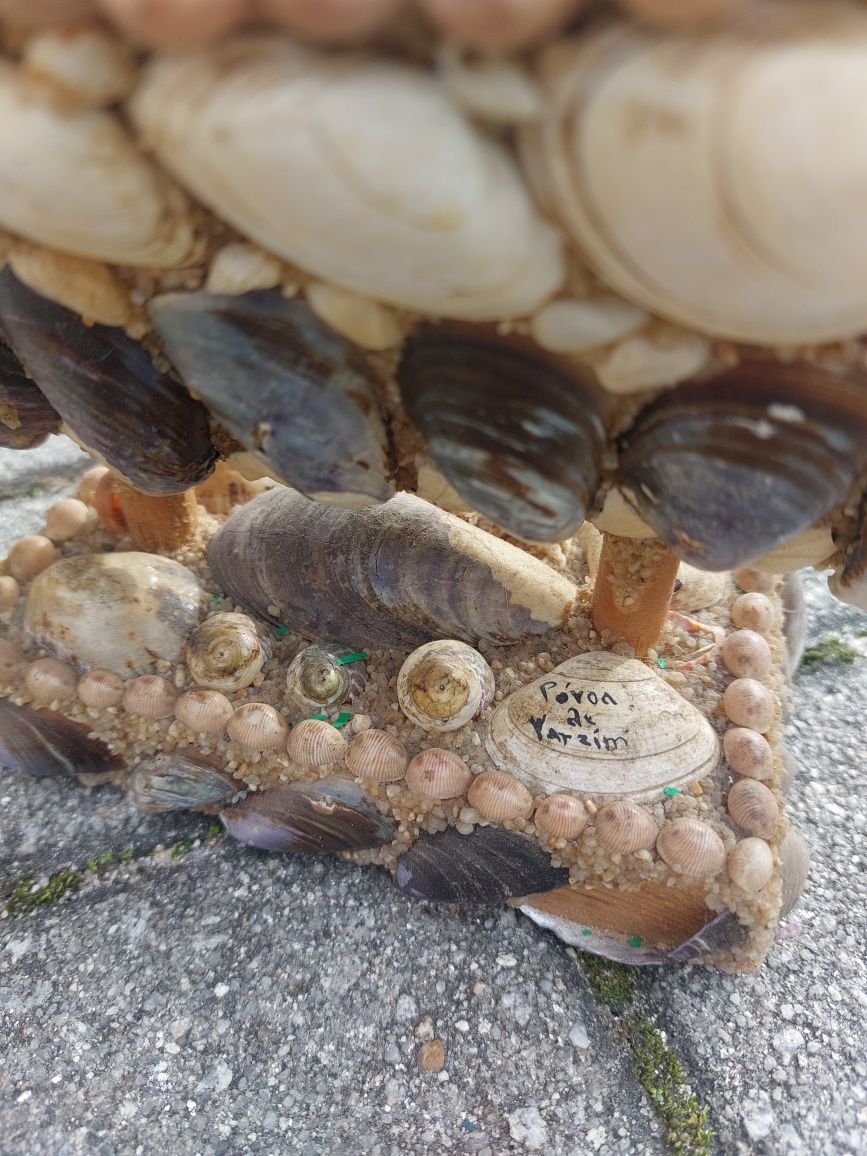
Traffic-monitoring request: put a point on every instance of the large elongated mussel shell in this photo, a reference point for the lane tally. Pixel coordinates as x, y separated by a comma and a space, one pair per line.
726, 469
180, 781
328, 815
26, 417
42, 742
488, 866
285, 385
108, 391
398, 574
518, 435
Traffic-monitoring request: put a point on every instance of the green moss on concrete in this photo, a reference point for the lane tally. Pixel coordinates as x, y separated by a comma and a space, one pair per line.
831, 648
24, 898
613, 984
663, 1078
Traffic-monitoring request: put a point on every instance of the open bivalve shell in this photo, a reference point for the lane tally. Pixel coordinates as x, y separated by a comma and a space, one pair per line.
604, 725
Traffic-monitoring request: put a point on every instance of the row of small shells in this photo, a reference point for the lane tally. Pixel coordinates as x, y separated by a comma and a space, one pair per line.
34, 553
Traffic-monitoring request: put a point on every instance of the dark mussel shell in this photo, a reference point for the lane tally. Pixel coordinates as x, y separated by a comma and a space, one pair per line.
26, 418
489, 866
284, 384
727, 469
397, 574
519, 435
108, 391
42, 743
180, 781
313, 818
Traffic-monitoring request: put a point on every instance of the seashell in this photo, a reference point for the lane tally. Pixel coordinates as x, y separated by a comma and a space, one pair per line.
87, 288
748, 753
120, 612
751, 864
808, 549
286, 386
77, 182
172, 25
333, 21
438, 774
378, 756
755, 581
625, 827
794, 622
604, 725
489, 87
325, 675
748, 703
360, 320
398, 574
226, 488
746, 655
753, 612
108, 391
732, 467
100, 689
697, 589
241, 268
754, 808
794, 866
691, 846
36, 13
150, 695
26, 417
65, 519
433, 487
444, 685
203, 711
13, 661
336, 192
89, 481
257, 726
41, 742
499, 797
489, 866
226, 652
315, 743
618, 517
49, 680
10, 592
30, 556
662, 357
81, 67
560, 817
180, 782
472, 394
499, 26
715, 225
328, 815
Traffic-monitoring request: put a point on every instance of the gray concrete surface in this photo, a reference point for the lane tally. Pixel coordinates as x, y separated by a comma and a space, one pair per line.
214, 1000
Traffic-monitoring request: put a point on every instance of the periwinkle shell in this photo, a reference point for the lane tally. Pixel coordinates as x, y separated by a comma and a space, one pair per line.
328, 815
285, 385
398, 574
26, 417
42, 743
727, 469
109, 392
320, 676
517, 433
180, 782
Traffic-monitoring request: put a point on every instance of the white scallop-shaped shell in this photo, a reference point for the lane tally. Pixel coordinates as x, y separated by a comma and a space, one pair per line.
807, 549
749, 704
30, 556
438, 773
100, 689
751, 864
65, 519
150, 695
753, 612
378, 756
674, 163
748, 753
226, 652
332, 162
691, 846
203, 711
48, 679
76, 182
444, 685
746, 654
753, 807
258, 726
623, 827
498, 797
316, 743
604, 725
10, 592
560, 817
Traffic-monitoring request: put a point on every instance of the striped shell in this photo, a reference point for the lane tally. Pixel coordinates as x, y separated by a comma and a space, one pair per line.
498, 797
748, 703
150, 695
203, 711
753, 612
754, 808
751, 864
746, 655
10, 592
378, 756
65, 519
48, 679
690, 846
226, 652
257, 726
100, 689
13, 661
30, 556
561, 817
316, 743
748, 753
623, 826
438, 773
444, 685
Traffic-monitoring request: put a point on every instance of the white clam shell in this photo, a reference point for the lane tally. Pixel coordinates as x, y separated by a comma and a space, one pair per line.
697, 589
601, 724
489, 87
570, 325
444, 685
617, 516
332, 162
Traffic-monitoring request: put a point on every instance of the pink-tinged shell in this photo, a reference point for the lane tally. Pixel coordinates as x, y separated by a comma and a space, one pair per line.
65, 519
438, 773
498, 797
746, 654
751, 864
257, 726
748, 753
150, 696
624, 826
753, 807
749, 704
561, 817
49, 679
12, 660
10, 592
100, 688
691, 846
753, 581
377, 756
203, 711
316, 743
794, 868
753, 612
88, 482
30, 556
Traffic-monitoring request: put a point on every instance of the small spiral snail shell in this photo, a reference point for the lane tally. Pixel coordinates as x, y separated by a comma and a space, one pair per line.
316, 743
65, 519
438, 773
561, 817
48, 679
498, 797
30, 556
100, 688
624, 826
753, 807
226, 652
378, 756
690, 846
746, 654
753, 612
10, 592
150, 695
13, 660
444, 685
751, 864
203, 711
748, 753
257, 726
320, 676
749, 704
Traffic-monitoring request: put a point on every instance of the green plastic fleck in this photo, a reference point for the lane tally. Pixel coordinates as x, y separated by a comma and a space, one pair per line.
586, 931
321, 717
281, 630
342, 719
358, 656
661, 663
635, 941
670, 792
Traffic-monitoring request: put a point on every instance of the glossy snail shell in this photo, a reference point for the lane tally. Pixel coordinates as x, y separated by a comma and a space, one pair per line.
499, 797
320, 676
691, 846
561, 817
748, 753
444, 685
150, 695
746, 655
258, 726
48, 679
625, 827
316, 743
751, 864
749, 704
100, 689
438, 773
226, 652
378, 756
203, 711
754, 808
753, 611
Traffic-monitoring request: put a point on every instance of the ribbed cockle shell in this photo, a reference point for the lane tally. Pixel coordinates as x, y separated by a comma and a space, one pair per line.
499, 797
754, 807
203, 711
438, 774
316, 743
746, 654
751, 864
378, 756
622, 827
444, 685
691, 846
561, 817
